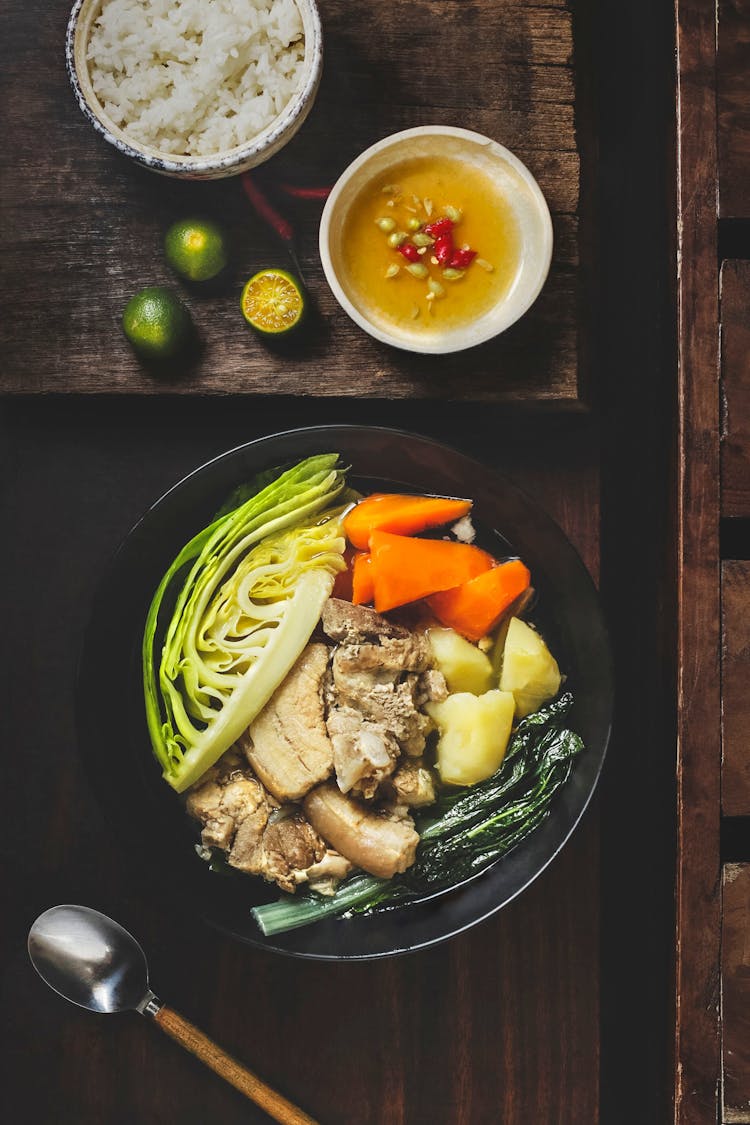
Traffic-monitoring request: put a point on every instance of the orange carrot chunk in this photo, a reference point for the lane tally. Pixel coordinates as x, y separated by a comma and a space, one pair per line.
475, 608
401, 515
405, 569
363, 586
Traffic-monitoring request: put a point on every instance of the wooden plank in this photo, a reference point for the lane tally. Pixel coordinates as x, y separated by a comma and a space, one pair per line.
696, 1059
84, 226
735, 688
735, 994
735, 383
733, 97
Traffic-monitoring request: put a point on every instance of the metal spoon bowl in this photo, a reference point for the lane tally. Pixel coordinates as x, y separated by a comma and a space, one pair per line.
92, 961
89, 959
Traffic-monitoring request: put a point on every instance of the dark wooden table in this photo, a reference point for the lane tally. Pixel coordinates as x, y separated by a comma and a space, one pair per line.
557, 1010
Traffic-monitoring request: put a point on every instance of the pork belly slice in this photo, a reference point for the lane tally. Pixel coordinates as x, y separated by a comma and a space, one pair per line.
287, 744
259, 837
379, 842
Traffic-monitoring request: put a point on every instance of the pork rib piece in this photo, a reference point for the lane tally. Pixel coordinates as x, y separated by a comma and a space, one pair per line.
381, 674
413, 784
364, 753
259, 837
354, 624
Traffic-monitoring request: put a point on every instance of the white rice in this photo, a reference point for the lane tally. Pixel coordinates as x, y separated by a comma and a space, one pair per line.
195, 77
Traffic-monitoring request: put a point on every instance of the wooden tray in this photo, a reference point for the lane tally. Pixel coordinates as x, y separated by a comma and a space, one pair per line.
712, 963
84, 227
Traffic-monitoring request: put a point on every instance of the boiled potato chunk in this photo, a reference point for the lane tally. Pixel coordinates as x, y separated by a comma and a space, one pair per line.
465, 668
474, 732
530, 670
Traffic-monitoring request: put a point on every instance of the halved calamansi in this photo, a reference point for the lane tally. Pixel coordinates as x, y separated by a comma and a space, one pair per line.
273, 302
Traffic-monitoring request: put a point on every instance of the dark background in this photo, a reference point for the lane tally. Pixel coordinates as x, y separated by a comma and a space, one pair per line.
470, 1032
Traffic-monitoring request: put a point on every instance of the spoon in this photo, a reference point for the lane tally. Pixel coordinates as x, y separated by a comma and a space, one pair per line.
93, 962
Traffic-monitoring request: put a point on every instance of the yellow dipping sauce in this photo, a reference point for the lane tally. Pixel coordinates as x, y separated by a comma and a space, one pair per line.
404, 194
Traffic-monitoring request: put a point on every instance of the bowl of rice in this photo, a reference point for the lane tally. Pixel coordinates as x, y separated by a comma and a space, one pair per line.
198, 89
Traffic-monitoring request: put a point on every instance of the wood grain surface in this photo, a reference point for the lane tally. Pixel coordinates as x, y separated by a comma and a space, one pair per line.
84, 227
500, 1024
199, 1044
735, 384
733, 99
735, 993
698, 923
735, 687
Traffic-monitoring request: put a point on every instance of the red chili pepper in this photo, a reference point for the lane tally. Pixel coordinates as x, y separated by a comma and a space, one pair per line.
305, 192
460, 259
443, 248
267, 212
409, 250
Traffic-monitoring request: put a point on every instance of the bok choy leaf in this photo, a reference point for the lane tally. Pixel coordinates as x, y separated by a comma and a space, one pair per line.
258, 578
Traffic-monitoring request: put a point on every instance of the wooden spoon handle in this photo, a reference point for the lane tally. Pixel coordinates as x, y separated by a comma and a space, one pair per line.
228, 1068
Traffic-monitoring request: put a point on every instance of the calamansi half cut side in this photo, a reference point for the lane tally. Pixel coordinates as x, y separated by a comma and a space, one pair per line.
273, 302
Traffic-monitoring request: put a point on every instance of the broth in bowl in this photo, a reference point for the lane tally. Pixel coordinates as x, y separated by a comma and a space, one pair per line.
430, 244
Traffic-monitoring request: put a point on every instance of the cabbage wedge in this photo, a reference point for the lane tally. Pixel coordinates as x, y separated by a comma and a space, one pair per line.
258, 579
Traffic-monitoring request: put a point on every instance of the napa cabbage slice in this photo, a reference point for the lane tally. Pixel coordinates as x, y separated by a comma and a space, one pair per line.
248, 592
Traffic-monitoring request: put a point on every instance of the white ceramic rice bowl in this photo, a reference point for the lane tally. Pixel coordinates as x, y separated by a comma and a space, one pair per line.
218, 165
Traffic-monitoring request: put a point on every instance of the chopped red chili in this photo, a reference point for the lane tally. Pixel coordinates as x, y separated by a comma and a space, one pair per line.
409, 250
460, 259
439, 227
443, 249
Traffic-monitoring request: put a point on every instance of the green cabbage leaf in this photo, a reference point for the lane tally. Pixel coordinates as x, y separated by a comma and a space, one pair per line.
258, 578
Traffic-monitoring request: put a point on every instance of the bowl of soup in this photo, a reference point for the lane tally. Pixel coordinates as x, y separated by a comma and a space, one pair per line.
436, 239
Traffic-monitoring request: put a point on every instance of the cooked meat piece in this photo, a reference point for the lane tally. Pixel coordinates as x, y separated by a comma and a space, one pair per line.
395, 654
412, 784
363, 753
247, 852
374, 841
287, 745
381, 674
332, 868
240, 817
431, 688
290, 846
354, 624
383, 694
221, 802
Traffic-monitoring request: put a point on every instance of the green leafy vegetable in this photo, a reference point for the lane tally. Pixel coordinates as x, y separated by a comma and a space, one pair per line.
258, 579
474, 826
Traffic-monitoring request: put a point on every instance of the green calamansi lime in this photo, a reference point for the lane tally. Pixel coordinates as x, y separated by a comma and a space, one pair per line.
157, 323
273, 302
196, 249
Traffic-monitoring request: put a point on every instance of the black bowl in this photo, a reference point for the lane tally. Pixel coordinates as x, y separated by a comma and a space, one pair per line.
115, 741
